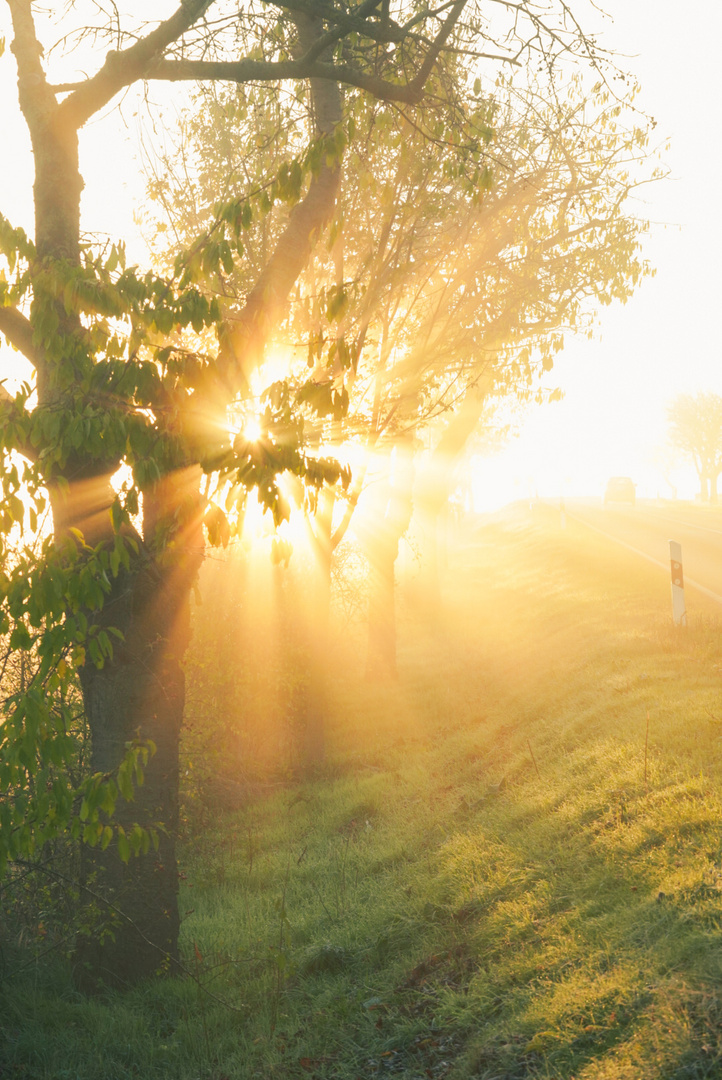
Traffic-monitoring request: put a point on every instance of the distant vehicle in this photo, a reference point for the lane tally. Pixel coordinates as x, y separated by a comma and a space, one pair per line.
620, 489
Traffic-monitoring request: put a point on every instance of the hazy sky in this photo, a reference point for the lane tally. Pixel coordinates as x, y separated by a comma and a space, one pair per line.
665, 340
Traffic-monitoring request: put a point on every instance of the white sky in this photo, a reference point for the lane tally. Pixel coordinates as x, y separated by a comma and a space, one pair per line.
663, 342
666, 340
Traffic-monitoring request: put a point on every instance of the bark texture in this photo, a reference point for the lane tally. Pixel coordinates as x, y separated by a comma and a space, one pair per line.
140, 694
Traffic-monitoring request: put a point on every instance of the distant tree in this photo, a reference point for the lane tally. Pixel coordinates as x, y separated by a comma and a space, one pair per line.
695, 427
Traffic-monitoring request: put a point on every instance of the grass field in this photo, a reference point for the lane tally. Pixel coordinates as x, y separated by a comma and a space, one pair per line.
511, 867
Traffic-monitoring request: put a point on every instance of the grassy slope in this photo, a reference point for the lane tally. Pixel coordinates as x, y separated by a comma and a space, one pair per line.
484, 885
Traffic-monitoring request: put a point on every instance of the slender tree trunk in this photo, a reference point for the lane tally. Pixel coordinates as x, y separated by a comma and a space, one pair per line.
304, 614
381, 656
313, 706
434, 488
431, 577
390, 522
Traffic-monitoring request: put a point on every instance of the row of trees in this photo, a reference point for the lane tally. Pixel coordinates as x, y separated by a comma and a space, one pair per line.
370, 193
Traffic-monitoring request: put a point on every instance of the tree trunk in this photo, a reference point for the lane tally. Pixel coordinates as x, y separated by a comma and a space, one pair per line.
434, 520
303, 611
140, 694
381, 656
432, 524
390, 522
434, 488
314, 703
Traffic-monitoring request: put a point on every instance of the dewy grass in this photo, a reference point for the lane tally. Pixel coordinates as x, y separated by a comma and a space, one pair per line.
483, 885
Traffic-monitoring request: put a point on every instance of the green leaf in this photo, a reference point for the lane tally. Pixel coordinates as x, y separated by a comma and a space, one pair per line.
123, 845
125, 781
20, 637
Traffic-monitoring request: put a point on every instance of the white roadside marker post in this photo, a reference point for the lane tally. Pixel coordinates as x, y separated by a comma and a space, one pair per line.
679, 610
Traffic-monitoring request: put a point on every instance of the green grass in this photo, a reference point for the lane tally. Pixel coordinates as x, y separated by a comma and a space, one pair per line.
482, 885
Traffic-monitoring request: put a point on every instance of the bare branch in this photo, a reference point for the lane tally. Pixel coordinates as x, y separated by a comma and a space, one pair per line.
265, 302
438, 43
247, 71
123, 68
324, 41
244, 71
143, 60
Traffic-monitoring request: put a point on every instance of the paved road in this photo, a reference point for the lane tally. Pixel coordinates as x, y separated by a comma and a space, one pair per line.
648, 527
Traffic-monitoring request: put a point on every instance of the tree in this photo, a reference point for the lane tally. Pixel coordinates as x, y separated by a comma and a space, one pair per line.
136, 378
458, 278
695, 427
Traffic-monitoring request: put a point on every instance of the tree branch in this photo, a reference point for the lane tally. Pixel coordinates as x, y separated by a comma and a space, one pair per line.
242, 71
245, 71
324, 41
243, 342
18, 331
437, 45
123, 68
143, 61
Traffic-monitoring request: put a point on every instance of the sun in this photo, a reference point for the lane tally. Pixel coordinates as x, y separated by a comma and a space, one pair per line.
252, 429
